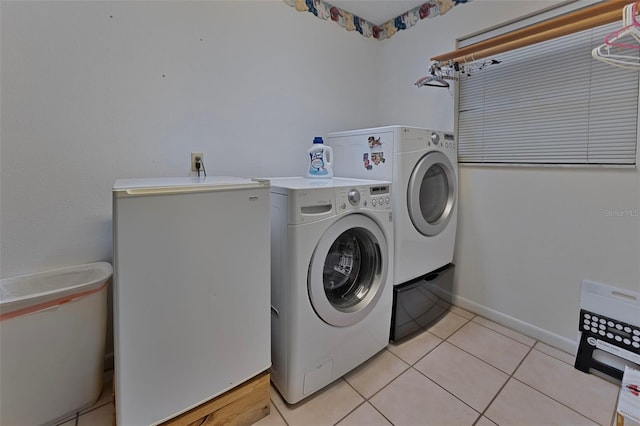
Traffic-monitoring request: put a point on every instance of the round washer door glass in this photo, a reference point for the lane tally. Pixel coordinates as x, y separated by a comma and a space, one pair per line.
348, 270
431, 194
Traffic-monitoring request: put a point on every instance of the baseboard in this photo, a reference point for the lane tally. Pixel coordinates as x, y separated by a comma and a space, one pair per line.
530, 330
525, 328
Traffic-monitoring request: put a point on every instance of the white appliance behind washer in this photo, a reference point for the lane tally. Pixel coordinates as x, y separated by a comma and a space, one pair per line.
423, 166
331, 271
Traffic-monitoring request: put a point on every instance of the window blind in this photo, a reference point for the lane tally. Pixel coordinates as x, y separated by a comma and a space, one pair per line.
550, 103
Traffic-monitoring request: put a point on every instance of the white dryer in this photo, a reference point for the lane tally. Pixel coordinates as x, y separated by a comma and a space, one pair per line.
331, 270
423, 167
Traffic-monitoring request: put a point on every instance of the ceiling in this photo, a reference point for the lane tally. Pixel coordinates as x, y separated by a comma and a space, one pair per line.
376, 11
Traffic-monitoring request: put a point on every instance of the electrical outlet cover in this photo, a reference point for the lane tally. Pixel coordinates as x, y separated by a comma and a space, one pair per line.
193, 160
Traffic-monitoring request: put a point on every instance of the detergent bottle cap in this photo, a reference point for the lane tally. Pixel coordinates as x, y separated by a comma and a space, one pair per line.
318, 139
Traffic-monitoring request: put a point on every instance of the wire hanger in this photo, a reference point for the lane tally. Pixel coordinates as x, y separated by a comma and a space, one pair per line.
440, 72
432, 80
438, 77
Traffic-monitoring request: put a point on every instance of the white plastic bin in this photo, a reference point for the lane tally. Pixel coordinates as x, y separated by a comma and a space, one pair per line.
52, 341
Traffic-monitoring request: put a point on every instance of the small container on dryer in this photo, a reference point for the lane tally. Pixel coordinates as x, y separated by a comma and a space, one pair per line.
320, 158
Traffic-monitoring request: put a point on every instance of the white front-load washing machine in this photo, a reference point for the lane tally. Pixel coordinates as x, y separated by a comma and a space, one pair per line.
423, 167
331, 279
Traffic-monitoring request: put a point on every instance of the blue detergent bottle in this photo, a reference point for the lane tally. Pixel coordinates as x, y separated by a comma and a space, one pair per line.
320, 157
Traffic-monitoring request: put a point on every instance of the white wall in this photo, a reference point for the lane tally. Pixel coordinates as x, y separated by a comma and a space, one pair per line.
94, 91
526, 236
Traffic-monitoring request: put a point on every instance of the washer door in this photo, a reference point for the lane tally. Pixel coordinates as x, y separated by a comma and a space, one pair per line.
431, 193
348, 270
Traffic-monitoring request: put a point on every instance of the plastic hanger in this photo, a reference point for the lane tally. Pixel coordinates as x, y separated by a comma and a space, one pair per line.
602, 53
631, 27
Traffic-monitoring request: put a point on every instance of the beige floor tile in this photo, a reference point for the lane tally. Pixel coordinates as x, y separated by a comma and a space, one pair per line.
364, 415
556, 353
473, 381
323, 408
376, 373
462, 312
589, 395
273, 419
415, 347
67, 420
518, 404
483, 421
526, 340
490, 346
448, 324
412, 399
71, 422
102, 416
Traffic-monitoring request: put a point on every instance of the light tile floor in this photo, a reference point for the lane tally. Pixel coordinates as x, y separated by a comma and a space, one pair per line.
464, 370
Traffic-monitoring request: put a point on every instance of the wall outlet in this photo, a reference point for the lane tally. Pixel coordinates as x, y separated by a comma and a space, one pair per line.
194, 155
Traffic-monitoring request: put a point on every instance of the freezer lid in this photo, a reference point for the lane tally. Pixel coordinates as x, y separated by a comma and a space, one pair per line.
175, 185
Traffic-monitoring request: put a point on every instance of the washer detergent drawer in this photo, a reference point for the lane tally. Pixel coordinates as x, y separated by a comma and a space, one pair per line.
418, 303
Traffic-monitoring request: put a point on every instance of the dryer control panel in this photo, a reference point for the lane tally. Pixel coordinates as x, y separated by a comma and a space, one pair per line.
442, 140
373, 197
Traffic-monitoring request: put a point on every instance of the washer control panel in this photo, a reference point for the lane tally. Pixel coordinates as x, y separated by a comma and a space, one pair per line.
376, 197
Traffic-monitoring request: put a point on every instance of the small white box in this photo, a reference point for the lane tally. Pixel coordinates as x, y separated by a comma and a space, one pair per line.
628, 410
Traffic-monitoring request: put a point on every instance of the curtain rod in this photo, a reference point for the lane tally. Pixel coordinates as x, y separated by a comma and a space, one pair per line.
582, 19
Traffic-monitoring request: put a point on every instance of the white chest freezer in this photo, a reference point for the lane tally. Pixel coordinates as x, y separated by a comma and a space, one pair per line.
191, 292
